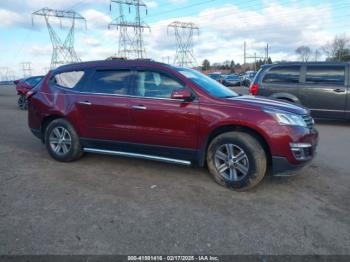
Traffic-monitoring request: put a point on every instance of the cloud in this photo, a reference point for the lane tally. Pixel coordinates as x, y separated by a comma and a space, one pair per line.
9, 18
151, 4
96, 19
224, 29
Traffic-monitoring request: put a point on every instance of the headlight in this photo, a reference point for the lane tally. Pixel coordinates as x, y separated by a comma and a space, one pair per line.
286, 118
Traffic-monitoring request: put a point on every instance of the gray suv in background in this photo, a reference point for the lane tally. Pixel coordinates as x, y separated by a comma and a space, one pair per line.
321, 86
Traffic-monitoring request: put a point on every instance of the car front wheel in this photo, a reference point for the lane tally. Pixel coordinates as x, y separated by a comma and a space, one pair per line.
236, 160
62, 141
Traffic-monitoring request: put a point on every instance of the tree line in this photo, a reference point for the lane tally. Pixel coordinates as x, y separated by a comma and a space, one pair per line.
338, 50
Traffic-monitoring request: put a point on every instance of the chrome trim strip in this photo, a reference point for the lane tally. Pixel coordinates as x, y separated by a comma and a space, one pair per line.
136, 155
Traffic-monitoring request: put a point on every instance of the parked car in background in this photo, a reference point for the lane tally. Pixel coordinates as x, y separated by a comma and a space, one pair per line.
248, 78
321, 86
23, 86
231, 80
216, 76
150, 110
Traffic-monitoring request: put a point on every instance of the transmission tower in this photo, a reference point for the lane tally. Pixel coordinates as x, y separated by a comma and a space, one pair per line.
4, 73
131, 43
184, 34
26, 69
63, 51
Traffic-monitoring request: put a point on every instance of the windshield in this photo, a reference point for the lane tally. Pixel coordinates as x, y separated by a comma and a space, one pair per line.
211, 86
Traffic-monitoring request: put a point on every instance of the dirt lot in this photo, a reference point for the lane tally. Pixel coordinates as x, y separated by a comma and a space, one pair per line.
111, 205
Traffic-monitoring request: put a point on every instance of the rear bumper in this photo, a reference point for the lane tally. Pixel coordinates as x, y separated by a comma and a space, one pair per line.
282, 167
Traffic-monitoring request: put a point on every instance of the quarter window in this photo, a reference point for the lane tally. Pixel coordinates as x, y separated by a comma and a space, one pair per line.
282, 74
110, 82
333, 75
68, 79
154, 84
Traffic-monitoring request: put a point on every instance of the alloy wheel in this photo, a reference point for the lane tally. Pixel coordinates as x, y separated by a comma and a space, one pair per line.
231, 162
60, 140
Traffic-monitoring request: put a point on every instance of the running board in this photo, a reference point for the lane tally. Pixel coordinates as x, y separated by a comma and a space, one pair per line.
136, 155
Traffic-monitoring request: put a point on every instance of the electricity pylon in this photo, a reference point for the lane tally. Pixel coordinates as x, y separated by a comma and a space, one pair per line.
131, 43
4, 73
62, 51
184, 34
26, 69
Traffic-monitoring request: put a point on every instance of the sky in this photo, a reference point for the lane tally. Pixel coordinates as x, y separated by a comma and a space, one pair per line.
223, 28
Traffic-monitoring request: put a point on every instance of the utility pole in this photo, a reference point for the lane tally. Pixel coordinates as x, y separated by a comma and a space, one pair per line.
184, 35
62, 51
131, 44
245, 52
317, 53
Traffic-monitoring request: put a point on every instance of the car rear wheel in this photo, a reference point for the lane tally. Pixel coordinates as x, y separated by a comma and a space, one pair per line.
236, 160
22, 102
62, 141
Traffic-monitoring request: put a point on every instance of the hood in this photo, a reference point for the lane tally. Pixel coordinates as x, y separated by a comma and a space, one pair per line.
271, 103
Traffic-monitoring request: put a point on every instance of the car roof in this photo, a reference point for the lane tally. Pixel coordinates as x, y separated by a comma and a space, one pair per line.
108, 63
307, 63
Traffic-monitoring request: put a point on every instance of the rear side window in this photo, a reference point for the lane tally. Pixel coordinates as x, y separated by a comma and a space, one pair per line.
282, 74
68, 79
33, 81
332, 75
110, 82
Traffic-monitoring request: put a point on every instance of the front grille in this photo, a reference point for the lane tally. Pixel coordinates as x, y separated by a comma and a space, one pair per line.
309, 121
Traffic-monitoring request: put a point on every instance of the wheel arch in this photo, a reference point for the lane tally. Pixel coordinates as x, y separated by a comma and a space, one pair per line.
286, 96
45, 122
233, 127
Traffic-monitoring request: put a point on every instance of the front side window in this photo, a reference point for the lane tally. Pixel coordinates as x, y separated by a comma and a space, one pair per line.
155, 84
332, 75
208, 84
111, 82
282, 74
68, 79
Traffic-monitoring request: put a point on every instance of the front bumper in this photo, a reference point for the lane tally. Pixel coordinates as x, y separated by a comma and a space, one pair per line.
282, 167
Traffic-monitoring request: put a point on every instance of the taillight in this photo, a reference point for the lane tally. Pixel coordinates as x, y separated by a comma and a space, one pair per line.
254, 88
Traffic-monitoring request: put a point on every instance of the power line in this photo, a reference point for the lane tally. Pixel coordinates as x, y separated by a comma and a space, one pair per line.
130, 43
63, 51
184, 33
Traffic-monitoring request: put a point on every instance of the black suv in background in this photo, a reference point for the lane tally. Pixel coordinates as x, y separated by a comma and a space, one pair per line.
321, 86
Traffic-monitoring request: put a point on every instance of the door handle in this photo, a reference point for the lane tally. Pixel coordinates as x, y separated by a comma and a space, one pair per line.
86, 103
339, 90
139, 107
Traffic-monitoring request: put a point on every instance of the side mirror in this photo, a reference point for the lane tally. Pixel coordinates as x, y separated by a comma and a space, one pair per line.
182, 94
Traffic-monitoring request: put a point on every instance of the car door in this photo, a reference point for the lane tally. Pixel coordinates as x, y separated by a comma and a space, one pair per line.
157, 119
281, 82
103, 105
324, 90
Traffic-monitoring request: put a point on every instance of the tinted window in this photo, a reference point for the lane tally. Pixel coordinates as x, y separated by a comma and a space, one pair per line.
154, 84
110, 82
33, 81
211, 86
334, 75
68, 79
282, 74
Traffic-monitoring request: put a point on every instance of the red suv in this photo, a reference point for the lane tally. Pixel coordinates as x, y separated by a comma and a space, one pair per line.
150, 110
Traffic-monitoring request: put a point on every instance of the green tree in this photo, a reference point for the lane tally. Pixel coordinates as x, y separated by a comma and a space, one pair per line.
206, 64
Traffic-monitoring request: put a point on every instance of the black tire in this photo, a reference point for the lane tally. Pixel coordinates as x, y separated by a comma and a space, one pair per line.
254, 161
22, 102
65, 154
